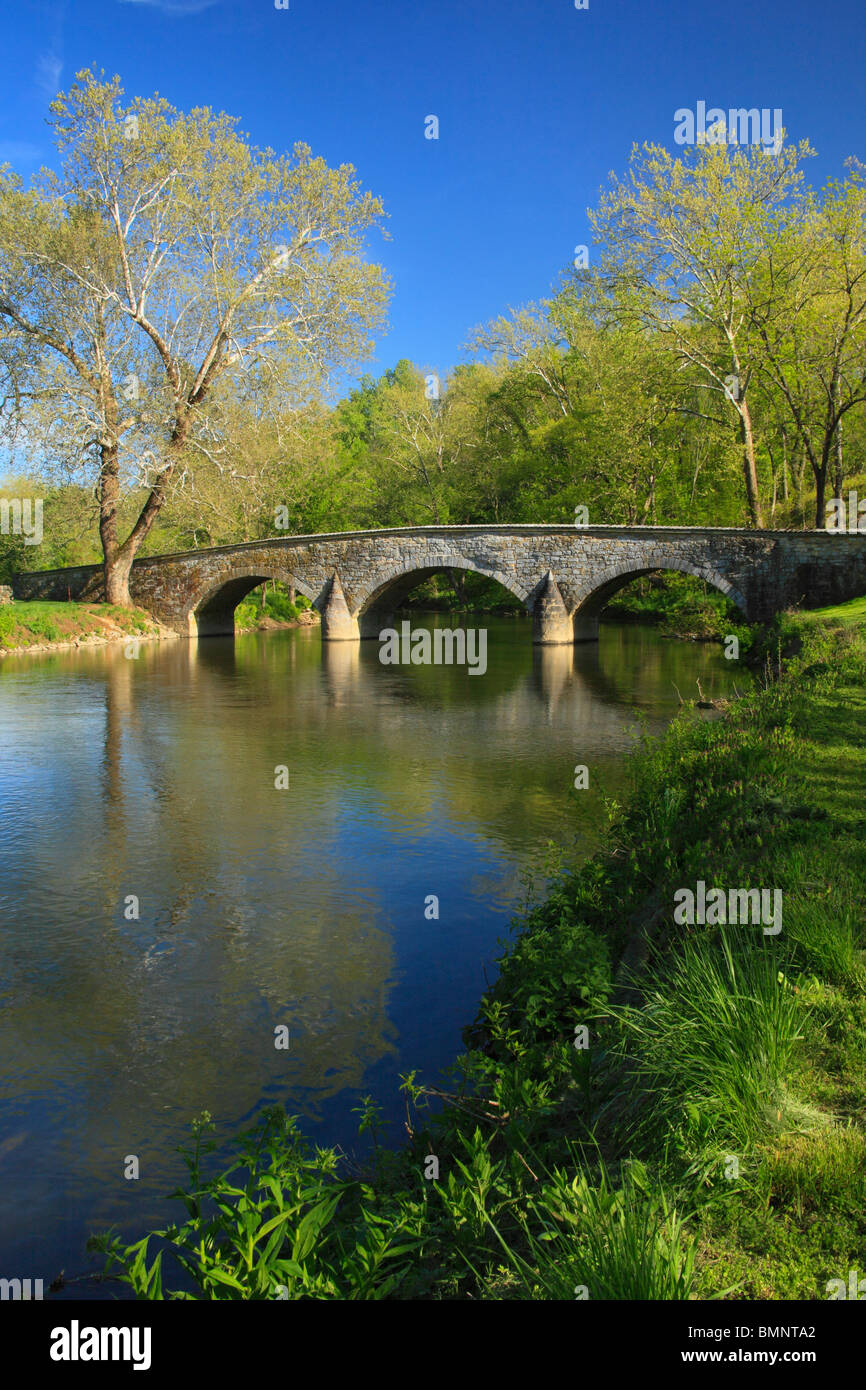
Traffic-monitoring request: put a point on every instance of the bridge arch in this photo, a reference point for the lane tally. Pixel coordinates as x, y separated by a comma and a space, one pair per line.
391, 586
210, 612
615, 577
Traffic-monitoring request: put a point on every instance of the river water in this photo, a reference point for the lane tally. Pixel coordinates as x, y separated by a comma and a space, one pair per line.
164, 906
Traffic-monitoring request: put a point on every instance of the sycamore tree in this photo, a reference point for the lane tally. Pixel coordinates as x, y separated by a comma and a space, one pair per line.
530, 339
683, 240
167, 259
263, 458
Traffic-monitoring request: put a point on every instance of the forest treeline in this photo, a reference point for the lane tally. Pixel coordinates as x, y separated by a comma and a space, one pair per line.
703, 362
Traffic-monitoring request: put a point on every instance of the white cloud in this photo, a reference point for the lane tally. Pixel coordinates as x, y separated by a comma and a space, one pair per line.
48, 70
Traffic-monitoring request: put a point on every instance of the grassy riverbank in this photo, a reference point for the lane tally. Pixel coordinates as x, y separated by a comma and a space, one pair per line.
40, 626
46, 626
708, 1140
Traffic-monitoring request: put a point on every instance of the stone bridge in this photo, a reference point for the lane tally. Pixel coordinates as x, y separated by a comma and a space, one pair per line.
563, 575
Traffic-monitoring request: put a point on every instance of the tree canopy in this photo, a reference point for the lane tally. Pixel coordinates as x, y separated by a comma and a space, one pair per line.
166, 260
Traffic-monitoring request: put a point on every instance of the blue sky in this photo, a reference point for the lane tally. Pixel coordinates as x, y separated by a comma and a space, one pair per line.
537, 102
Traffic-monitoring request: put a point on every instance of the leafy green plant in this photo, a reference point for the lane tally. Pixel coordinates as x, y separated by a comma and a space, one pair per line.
264, 1228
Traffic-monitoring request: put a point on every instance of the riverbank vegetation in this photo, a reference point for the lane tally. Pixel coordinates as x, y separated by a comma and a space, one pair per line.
646, 1108
35, 624
271, 606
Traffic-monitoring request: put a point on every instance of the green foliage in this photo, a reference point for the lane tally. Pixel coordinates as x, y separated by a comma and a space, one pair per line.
713, 1044
27, 623
682, 606
563, 1168
264, 1228
599, 1241
558, 968
13, 557
277, 607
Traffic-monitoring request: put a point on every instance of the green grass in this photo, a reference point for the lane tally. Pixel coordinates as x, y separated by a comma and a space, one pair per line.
30, 623
713, 1045
847, 614
705, 1137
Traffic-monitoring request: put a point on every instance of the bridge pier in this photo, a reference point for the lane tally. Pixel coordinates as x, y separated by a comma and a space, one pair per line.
338, 625
551, 623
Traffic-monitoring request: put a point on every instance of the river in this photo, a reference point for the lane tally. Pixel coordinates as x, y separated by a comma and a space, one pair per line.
165, 906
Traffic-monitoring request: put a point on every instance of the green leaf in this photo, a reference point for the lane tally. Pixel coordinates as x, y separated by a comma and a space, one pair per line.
311, 1225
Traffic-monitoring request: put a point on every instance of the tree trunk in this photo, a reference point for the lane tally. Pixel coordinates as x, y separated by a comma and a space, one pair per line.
820, 493
116, 572
800, 477
750, 472
119, 559
775, 483
822, 478
117, 563
840, 474
837, 436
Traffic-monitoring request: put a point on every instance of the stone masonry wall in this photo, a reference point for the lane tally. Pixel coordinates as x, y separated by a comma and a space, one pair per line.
762, 571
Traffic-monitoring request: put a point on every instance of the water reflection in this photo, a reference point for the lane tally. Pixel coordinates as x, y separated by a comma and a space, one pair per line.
165, 907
